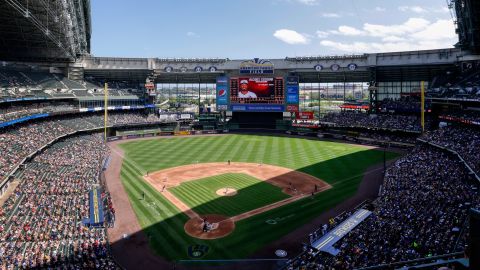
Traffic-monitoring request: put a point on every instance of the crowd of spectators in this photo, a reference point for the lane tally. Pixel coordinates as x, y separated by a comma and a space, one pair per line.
41, 222
406, 104
373, 121
421, 212
18, 142
15, 112
464, 140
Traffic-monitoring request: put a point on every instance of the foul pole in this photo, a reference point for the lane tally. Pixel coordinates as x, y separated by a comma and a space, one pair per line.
105, 105
422, 109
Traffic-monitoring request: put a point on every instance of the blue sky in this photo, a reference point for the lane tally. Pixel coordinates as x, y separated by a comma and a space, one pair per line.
267, 28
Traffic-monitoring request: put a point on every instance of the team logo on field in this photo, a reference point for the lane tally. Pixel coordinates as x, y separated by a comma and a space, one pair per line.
197, 251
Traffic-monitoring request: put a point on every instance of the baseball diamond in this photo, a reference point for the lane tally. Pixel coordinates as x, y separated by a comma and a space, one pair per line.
282, 183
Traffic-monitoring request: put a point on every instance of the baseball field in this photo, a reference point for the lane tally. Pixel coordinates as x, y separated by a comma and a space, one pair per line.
272, 186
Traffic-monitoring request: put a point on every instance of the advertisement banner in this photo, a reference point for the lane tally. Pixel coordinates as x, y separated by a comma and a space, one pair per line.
292, 80
258, 108
222, 93
292, 99
293, 90
293, 94
292, 108
182, 133
305, 115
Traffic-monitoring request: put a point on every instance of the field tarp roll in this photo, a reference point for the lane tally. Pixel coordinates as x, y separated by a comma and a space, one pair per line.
328, 240
96, 208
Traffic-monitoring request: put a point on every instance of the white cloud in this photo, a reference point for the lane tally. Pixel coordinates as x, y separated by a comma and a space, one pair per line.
349, 31
441, 10
372, 47
308, 2
291, 37
413, 34
322, 34
393, 39
412, 25
331, 15
439, 30
192, 34
416, 9
380, 9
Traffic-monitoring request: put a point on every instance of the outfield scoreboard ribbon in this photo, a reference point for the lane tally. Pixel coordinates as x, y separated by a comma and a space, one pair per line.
326, 243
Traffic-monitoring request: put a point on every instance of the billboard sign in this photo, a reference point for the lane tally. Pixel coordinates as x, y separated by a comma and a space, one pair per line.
258, 108
222, 93
293, 90
305, 115
293, 108
257, 66
292, 80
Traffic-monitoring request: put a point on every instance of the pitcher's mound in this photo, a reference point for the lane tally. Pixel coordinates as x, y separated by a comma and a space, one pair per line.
226, 192
219, 226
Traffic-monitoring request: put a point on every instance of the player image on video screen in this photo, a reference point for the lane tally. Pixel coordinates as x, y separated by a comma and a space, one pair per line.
244, 92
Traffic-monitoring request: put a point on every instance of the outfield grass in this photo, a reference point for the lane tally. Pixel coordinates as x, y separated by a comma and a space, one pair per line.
341, 165
201, 195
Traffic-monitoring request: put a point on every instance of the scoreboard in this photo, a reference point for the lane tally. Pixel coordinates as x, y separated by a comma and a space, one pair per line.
257, 91
257, 94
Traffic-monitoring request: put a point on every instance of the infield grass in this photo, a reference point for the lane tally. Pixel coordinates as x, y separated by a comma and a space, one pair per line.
253, 193
341, 165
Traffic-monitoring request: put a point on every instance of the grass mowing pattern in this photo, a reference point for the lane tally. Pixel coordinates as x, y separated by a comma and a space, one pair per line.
201, 195
341, 165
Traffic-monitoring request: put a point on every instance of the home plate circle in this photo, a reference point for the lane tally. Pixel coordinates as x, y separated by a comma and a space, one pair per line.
226, 192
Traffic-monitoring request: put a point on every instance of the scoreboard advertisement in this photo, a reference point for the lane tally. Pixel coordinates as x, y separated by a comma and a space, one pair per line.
222, 93
293, 91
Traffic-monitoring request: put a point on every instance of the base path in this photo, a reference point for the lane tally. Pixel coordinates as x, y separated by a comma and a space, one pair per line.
296, 184
301, 183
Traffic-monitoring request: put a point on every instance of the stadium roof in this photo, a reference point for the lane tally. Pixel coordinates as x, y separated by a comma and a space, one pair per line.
468, 24
44, 30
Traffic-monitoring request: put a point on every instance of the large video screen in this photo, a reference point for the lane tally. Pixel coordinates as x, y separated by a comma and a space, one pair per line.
257, 90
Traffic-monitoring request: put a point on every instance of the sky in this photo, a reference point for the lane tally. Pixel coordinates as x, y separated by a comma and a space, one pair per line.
269, 29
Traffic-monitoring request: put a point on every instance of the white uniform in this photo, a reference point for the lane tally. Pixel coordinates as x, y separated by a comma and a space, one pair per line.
247, 95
